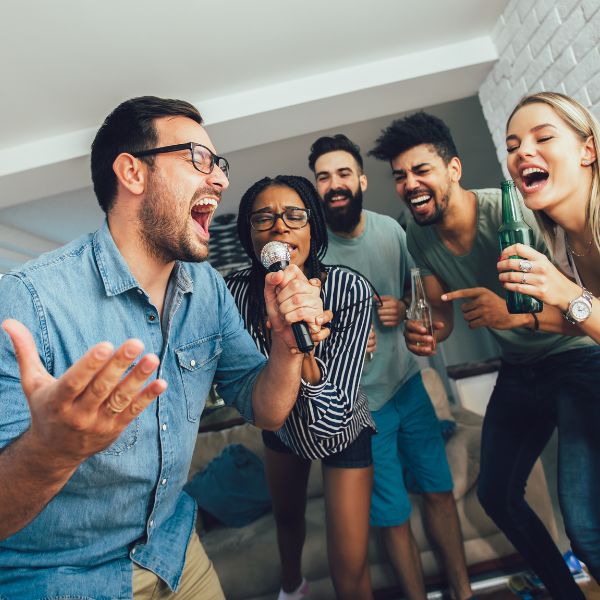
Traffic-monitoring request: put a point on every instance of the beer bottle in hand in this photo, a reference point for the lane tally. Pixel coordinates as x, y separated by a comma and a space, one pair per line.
515, 231
419, 309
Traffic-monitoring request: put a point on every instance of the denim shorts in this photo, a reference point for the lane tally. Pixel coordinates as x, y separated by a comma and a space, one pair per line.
356, 455
408, 447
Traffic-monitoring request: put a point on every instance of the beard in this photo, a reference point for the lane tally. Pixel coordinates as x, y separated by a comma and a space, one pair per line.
345, 218
166, 235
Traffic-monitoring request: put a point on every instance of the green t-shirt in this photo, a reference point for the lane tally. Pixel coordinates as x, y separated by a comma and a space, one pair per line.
477, 268
380, 254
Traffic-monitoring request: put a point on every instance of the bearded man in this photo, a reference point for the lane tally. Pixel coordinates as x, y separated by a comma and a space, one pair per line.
409, 436
95, 456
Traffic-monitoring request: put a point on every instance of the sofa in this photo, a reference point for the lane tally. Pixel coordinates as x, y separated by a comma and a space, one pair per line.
246, 558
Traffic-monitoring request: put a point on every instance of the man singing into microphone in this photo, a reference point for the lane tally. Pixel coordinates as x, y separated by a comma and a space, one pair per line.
92, 459
408, 432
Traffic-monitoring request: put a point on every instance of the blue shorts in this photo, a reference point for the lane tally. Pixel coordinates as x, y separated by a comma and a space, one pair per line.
408, 439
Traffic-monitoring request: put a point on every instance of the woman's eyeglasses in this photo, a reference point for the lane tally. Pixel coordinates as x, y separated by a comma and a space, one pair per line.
294, 218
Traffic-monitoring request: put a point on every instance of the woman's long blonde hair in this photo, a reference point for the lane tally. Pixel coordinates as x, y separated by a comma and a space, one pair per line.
584, 124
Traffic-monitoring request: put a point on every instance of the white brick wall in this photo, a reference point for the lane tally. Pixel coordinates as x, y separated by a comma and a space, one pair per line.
542, 45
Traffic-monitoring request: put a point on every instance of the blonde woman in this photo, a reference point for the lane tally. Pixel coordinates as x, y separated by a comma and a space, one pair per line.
552, 157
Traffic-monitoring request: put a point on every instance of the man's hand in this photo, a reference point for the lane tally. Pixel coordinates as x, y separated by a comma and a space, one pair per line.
371, 341
86, 409
485, 309
418, 339
289, 298
392, 311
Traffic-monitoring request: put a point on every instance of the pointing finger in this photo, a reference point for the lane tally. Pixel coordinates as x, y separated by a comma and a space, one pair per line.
464, 293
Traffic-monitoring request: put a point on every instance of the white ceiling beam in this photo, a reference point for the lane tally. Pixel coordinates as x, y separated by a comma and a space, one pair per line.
22, 245
246, 119
10, 258
347, 81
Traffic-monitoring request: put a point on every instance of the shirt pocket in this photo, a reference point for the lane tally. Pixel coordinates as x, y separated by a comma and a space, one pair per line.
197, 365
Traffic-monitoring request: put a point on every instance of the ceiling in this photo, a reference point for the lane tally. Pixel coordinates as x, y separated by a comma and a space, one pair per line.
259, 72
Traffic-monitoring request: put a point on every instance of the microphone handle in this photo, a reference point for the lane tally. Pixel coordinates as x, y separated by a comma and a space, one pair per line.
300, 329
302, 335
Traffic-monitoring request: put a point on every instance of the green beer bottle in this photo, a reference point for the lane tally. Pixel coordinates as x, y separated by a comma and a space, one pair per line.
515, 231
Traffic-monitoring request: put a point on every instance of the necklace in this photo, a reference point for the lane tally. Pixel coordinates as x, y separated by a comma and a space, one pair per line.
584, 253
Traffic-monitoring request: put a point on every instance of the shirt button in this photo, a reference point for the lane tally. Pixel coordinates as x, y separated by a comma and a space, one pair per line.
139, 291
151, 317
164, 426
151, 523
192, 363
133, 551
163, 482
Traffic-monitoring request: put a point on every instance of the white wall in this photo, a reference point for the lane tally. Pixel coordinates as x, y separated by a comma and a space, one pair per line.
543, 46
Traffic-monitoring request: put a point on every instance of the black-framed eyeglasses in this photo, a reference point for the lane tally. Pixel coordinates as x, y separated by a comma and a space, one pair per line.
293, 217
203, 158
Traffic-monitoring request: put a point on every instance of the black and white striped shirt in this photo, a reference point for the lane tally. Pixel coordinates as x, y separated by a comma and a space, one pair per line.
328, 415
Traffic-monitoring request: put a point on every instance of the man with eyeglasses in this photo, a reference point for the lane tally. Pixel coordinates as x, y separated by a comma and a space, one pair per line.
408, 433
93, 458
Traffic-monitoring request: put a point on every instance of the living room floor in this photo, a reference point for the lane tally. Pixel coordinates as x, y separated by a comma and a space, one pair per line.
590, 589
501, 592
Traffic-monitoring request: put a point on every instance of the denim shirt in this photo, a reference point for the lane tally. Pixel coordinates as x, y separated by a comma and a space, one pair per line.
125, 503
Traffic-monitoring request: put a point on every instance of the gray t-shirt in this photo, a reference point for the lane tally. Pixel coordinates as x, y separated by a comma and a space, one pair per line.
477, 268
380, 254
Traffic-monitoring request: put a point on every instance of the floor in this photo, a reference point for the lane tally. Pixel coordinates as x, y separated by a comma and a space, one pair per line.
591, 591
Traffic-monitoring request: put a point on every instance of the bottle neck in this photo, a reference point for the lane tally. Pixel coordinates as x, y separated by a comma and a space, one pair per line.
511, 207
418, 291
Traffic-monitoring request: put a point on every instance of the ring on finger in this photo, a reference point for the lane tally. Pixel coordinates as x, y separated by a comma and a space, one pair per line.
523, 279
113, 410
525, 266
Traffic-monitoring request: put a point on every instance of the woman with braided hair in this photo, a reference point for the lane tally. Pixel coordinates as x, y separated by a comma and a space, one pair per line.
330, 420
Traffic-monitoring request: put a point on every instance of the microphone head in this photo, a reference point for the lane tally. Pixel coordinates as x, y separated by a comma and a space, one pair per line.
274, 252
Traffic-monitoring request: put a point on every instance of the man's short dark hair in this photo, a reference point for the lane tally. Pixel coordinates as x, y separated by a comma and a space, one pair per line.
327, 144
414, 130
130, 128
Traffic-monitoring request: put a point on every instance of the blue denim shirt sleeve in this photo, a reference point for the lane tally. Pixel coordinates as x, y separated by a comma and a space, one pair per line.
240, 361
143, 471
18, 300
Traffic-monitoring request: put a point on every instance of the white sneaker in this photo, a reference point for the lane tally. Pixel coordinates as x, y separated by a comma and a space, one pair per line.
299, 593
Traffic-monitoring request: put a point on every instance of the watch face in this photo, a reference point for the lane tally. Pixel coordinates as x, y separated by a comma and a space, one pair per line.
580, 310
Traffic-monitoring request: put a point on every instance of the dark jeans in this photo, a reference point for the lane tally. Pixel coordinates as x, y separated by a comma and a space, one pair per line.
528, 402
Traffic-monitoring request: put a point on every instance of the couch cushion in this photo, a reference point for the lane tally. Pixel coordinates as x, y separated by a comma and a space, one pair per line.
210, 443
437, 394
232, 487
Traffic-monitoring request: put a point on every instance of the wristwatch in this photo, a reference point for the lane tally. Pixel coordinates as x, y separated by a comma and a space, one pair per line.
580, 308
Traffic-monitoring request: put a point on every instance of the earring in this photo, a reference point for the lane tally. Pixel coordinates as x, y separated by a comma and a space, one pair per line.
585, 163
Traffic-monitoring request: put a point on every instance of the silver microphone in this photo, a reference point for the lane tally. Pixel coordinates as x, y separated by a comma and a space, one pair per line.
275, 256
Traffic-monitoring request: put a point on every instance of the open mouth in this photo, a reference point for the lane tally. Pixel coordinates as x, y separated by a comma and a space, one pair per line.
420, 200
202, 213
338, 200
533, 178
